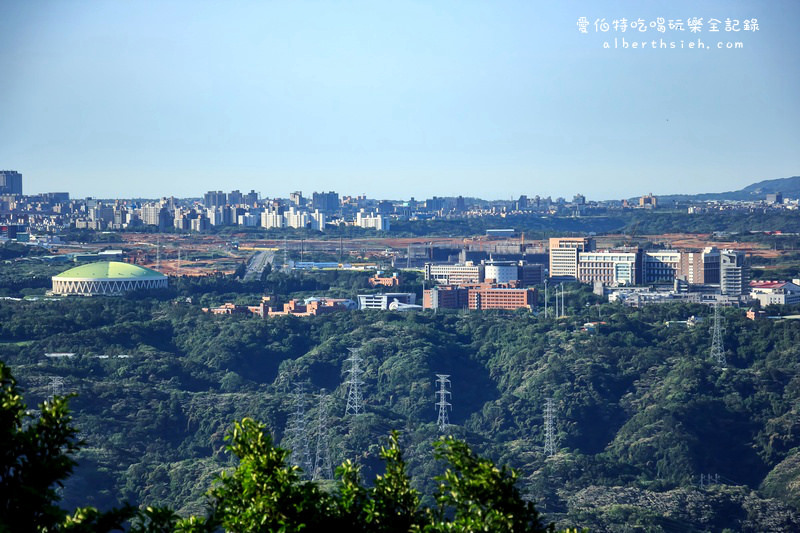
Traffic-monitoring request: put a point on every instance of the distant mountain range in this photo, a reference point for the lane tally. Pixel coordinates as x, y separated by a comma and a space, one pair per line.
790, 187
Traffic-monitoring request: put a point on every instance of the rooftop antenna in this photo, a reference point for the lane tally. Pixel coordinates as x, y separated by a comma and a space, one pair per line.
443, 404
354, 399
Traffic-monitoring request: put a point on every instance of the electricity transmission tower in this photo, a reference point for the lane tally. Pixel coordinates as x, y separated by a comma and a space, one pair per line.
443, 404
322, 460
717, 350
297, 432
56, 387
285, 256
354, 399
549, 428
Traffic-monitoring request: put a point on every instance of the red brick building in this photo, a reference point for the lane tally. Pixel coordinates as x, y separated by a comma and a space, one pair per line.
388, 281
479, 296
501, 298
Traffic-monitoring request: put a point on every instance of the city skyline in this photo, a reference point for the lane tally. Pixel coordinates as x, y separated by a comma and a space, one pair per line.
145, 100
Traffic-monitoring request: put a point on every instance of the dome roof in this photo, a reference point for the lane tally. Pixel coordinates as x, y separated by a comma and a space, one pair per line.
110, 270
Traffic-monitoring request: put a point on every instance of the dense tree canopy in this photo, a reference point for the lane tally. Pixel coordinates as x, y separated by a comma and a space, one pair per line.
638, 404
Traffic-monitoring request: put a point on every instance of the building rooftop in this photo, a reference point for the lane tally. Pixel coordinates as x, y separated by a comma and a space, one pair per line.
110, 270
767, 284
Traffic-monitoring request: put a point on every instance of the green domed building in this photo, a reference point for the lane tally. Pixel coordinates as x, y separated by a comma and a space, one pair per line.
108, 278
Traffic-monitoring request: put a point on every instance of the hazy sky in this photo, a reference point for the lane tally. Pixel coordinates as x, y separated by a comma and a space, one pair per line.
394, 99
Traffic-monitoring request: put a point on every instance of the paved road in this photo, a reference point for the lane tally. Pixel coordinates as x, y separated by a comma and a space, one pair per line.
257, 264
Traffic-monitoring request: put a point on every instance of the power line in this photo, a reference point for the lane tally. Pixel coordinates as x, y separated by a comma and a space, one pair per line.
717, 349
443, 404
322, 460
549, 428
354, 398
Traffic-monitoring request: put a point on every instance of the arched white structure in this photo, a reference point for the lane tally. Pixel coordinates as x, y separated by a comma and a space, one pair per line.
107, 278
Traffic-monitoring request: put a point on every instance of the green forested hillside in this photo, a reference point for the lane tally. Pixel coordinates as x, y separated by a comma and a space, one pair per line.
641, 410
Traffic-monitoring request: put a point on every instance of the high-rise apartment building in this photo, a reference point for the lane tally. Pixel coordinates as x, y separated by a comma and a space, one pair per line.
372, 220
327, 202
214, 199
564, 256
250, 198
235, 197
272, 219
10, 182
157, 215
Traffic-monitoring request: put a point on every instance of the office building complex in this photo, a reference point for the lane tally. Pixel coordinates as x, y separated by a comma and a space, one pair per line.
531, 274
610, 267
501, 298
501, 271
458, 274
479, 296
660, 266
445, 297
732, 273
564, 256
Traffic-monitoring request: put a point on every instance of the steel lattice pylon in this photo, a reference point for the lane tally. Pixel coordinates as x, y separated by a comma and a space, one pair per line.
322, 461
297, 432
354, 399
442, 402
717, 349
549, 428
56, 387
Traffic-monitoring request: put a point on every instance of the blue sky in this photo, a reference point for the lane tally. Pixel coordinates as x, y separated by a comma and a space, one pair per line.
393, 99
